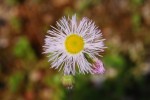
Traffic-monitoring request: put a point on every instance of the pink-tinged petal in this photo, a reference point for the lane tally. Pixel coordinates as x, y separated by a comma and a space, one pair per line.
98, 67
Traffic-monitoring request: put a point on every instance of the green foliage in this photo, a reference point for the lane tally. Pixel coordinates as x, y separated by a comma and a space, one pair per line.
15, 81
22, 49
114, 60
81, 80
52, 81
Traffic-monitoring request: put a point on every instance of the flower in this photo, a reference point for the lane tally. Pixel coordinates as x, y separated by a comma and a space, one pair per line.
98, 67
71, 42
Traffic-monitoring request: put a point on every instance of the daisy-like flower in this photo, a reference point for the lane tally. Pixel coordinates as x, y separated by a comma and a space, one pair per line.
69, 44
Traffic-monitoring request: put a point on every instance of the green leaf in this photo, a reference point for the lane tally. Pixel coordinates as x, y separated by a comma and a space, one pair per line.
114, 60
15, 81
23, 49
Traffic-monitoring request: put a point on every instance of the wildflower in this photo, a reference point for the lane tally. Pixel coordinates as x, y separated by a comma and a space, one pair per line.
69, 43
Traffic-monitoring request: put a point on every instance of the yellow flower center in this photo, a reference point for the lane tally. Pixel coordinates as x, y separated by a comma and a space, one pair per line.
74, 43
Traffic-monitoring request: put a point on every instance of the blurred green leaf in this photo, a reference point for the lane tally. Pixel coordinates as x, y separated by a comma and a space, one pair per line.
23, 49
52, 81
114, 60
15, 81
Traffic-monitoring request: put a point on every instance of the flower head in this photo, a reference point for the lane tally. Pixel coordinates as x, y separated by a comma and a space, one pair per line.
69, 43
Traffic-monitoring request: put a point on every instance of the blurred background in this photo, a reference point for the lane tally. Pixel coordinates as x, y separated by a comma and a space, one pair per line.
25, 73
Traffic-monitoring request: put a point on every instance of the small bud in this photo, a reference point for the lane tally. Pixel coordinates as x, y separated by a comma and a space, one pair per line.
98, 67
68, 81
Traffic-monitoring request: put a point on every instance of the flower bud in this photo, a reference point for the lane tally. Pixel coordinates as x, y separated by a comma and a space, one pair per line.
98, 67
68, 81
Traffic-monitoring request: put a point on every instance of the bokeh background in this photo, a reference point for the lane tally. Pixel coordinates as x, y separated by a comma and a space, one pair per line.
25, 72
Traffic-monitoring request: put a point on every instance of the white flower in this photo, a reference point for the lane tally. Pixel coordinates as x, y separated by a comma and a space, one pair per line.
71, 42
